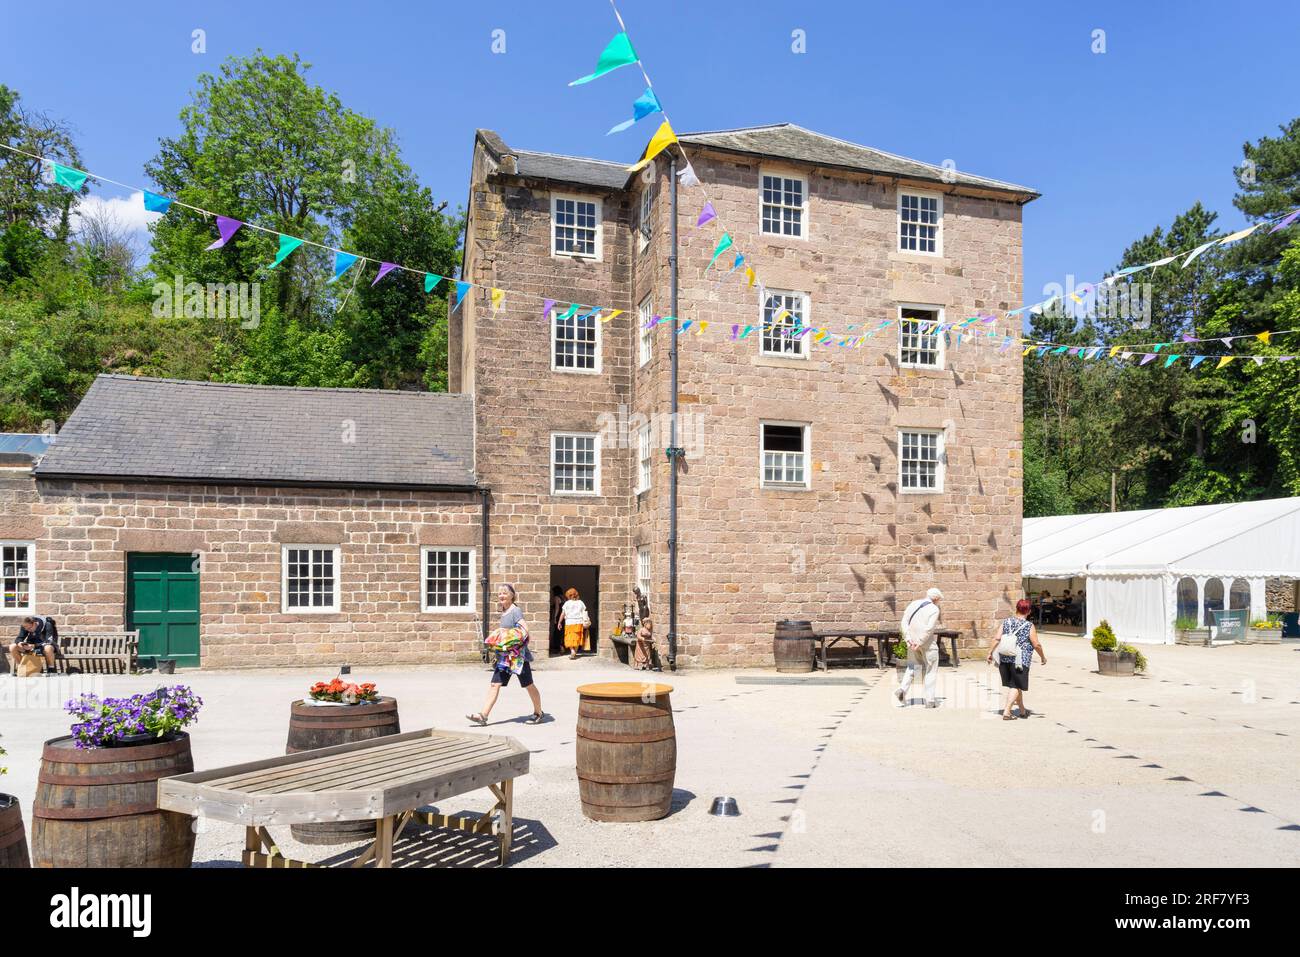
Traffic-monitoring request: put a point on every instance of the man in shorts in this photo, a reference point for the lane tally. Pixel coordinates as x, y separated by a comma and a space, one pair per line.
33, 636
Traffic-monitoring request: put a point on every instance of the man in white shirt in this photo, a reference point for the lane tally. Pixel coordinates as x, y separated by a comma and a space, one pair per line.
919, 623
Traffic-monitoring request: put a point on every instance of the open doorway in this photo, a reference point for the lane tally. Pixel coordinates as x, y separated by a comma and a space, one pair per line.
585, 578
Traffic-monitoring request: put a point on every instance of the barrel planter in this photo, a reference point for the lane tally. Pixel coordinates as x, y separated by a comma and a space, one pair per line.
1116, 662
323, 726
792, 647
99, 807
13, 835
626, 751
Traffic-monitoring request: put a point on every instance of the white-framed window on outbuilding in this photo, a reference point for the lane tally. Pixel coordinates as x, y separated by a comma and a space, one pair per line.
17, 578
645, 458
646, 335
920, 223
783, 205
575, 463
920, 460
784, 318
575, 226
447, 579
784, 451
575, 341
920, 346
643, 570
309, 578
646, 216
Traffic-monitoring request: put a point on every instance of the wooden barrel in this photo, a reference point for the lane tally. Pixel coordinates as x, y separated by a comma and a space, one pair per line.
627, 751
314, 726
99, 807
13, 836
793, 646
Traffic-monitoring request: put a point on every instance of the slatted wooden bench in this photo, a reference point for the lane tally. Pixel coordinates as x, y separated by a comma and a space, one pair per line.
101, 650
385, 779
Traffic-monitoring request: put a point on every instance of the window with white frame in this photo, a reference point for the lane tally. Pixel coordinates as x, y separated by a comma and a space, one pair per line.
920, 345
575, 226
782, 205
784, 321
575, 341
575, 463
920, 460
448, 579
310, 580
17, 591
645, 459
920, 223
785, 455
646, 220
643, 570
644, 313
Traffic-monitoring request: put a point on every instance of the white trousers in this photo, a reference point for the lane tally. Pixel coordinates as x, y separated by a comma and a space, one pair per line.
925, 657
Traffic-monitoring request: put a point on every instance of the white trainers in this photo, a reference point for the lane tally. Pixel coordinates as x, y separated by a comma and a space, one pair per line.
901, 695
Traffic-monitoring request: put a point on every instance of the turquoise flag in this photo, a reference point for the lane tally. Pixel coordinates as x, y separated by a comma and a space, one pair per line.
342, 263
462, 288
618, 52
73, 179
1170, 360
287, 245
568, 313
155, 203
723, 245
642, 106
431, 281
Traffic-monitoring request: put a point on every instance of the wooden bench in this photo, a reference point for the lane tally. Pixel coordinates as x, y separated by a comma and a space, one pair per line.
387, 780
100, 650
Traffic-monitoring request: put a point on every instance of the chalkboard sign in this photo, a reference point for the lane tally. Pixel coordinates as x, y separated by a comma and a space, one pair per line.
1230, 625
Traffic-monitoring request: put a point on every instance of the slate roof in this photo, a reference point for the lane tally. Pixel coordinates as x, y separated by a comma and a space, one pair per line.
572, 169
174, 430
788, 141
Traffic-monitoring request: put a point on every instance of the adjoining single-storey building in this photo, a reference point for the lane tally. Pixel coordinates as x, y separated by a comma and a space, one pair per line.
1145, 571
240, 525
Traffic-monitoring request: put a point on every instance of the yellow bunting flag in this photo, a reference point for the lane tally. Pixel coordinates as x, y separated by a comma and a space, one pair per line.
704, 324
498, 296
1027, 351
1114, 351
611, 315
1223, 361
749, 274
658, 143
1263, 337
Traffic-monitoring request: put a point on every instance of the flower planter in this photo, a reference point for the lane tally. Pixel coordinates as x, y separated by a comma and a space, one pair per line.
1264, 636
98, 807
1116, 663
1200, 637
13, 835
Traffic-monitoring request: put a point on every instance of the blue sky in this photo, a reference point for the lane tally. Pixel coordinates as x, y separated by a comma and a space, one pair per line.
1117, 142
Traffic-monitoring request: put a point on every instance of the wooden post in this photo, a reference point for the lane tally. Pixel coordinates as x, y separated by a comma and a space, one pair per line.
507, 819
384, 837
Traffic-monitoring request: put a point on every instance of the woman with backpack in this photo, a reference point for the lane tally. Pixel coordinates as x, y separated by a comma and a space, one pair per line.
1015, 646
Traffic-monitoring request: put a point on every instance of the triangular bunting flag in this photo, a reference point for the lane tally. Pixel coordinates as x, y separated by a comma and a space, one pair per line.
1147, 358
462, 289
1239, 234
431, 281
616, 312
1197, 251
663, 137
642, 106
1224, 360
498, 296
1170, 360
155, 203
569, 313
1290, 218
706, 214
723, 245
618, 52
73, 179
226, 228
688, 177
1197, 360
342, 263
547, 306
750, 275
287, 245
384, 270
1263, 337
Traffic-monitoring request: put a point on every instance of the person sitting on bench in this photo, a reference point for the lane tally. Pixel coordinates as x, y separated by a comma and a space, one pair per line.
34, 637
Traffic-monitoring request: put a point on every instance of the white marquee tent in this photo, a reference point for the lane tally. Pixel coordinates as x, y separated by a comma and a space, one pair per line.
1147, 569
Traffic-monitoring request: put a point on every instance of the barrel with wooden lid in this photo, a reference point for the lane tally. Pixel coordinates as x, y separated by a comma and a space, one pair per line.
98, 807
626, 751
792, 647
13, 836
323, 726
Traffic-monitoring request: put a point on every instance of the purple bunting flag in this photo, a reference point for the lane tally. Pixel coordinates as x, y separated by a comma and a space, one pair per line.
384, 270
706, 214
226, 228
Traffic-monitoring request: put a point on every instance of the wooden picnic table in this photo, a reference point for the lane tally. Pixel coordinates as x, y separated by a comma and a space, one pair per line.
859, 641
951, 634
385, 779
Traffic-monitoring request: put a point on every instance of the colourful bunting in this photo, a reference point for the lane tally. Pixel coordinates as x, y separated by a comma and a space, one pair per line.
1170, 360
68, 177
547, 306
1197, 251
688, 177
1263, 337
1147, 358
618, 52
642, 106
225, 229
287, 245
568, 313
1239, 234
384, 270
431, 281
154, 203
706, 214
1290, 218
616, 312
342, 263
1224, 360
497, 297
663, 138
462, 289
1197, 360
723, 245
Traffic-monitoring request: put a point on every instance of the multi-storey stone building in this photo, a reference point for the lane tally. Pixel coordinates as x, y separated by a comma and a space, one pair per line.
246, 525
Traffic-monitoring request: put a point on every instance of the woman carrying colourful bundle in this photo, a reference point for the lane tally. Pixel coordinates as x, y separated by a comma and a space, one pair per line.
510, 643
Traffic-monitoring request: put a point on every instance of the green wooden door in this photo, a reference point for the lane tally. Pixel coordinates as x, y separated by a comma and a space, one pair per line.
162, 603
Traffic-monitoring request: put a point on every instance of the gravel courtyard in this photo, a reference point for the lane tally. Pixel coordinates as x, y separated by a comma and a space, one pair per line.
1194, 764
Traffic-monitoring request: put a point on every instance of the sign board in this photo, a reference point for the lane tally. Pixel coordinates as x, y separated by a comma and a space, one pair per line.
1230, 625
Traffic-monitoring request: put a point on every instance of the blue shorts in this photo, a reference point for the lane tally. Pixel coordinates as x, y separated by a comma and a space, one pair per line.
502, 676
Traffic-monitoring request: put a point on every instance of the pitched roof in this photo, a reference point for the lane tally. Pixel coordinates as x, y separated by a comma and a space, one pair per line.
571, 169
787, 141
174, 430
